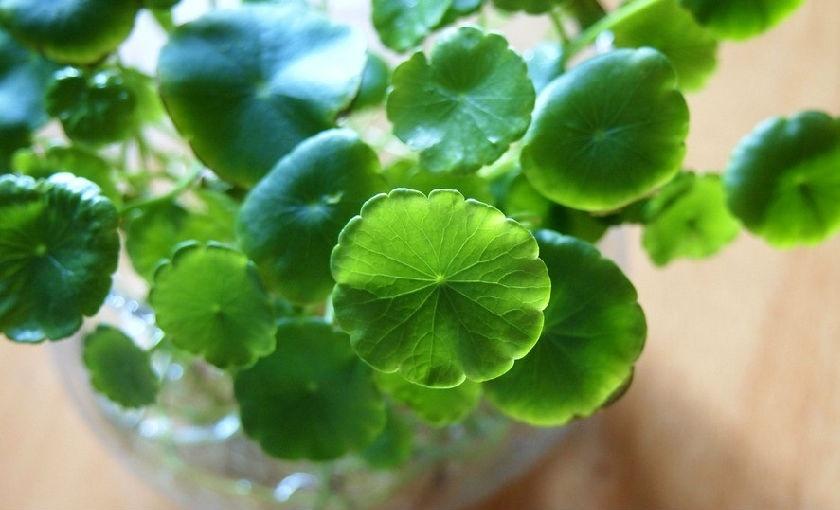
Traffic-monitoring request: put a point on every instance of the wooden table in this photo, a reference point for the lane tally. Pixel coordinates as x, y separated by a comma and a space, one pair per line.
735, 404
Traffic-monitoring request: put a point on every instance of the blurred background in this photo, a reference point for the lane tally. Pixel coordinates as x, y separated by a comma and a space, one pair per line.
734, 405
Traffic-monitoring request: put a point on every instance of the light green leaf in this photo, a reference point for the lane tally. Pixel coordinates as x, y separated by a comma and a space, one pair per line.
118, 368
70, 31
392, 448
208, 300
439, 288
290, 222
740, 19
783, 179
58, 248
79, 162
594, 332
607, 132
688, 218
23, 76
409, 174
312, 398
153, 231
671, 29
464, 106
545, 63
438, 406
245, 86
403, 24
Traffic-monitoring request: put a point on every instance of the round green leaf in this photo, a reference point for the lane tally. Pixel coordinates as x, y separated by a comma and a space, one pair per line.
290, 222
438, 288
58, 248
671, 29
464, 106
245, 86
438, 406
688, 218
22, 79
607, 132
409, 174
783, 180
153, 231
392, 448
545, 63
94, 109
70, 31
312, 398
740, 19
118, 368
594, 332
374, 85
208, 300
403, 24
79, 162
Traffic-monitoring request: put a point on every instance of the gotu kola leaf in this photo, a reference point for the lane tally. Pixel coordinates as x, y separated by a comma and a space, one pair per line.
740, 19
403, 24
208, 300
783, 179
118, 368
594, 332
608, 131
439, 288
392, 447
70, 31
245, 86
438, 406
312, 398
671, 29
463, 106
688, 218
58, 248
80, 162
290, 221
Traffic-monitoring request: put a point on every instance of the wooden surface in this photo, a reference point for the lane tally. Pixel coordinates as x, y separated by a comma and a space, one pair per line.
735, 404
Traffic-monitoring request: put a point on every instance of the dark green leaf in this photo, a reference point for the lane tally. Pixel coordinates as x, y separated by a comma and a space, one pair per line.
607, 132
664, 25
529, 6
438, 406
688, 218
70, 31
312, 398
740, 19
464, 106
118, 368
594, 332
439, 288
245, 86
208, 300
152, 232
58, 248
460, 9
403, 24
409, 174
23, 76
392, 448
374, 85
783, 180
290, 221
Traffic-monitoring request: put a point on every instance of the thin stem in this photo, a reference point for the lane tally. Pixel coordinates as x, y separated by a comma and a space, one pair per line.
588, 36
325, 493
557, 21
179, 188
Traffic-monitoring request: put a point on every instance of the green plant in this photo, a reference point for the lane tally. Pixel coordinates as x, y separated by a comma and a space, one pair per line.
339, 273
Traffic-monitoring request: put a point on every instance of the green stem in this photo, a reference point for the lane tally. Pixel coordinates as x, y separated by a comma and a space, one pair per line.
325, 493
179, 188
588, 36
557, 21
